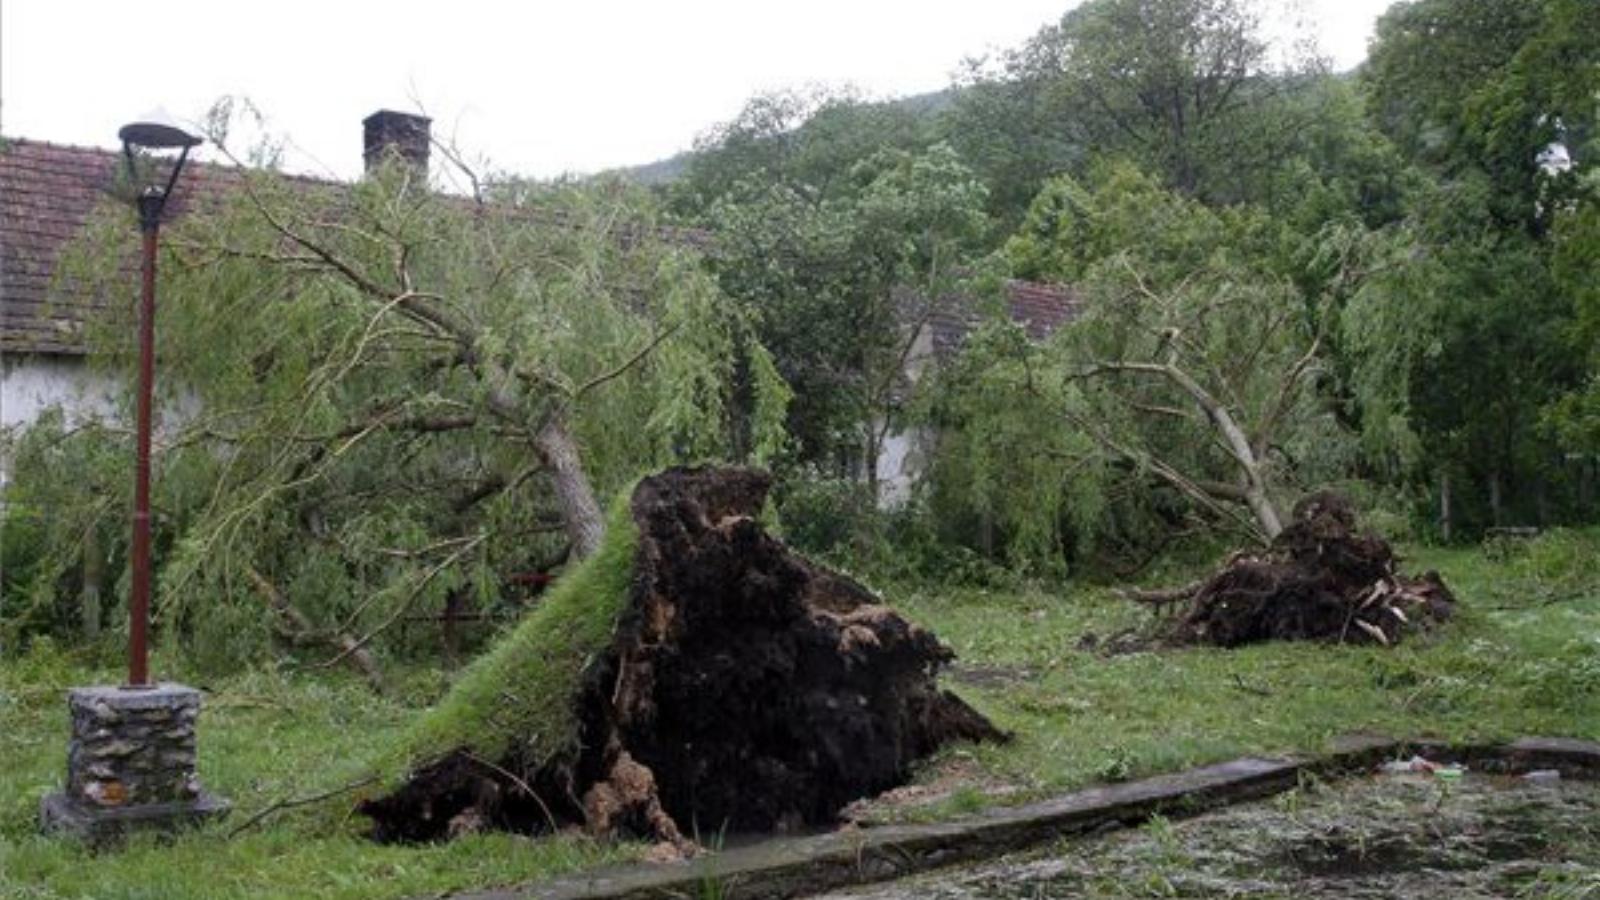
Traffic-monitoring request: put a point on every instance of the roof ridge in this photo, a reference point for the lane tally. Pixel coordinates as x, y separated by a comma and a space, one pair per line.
58, 145
194, 165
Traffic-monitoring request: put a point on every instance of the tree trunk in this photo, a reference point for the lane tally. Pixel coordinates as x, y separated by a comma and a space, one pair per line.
1238, 443
1266, 515
1444, 507
94, 566
742, 403
873, 451
1495, 516
579, 510
1585, 487
455, 602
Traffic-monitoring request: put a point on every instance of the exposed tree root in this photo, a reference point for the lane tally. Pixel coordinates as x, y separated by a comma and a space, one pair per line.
744, 688
1319, 580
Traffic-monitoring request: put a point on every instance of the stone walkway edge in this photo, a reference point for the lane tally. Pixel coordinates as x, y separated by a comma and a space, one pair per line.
791, 867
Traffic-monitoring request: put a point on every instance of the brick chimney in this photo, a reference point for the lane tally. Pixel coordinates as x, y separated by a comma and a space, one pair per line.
388, 132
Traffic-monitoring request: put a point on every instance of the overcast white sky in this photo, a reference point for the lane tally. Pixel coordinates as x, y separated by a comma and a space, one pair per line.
538, 87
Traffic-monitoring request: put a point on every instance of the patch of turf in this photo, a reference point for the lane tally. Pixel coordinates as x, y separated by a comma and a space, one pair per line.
264, 736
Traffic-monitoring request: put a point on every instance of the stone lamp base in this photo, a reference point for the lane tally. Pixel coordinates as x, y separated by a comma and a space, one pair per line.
130, 764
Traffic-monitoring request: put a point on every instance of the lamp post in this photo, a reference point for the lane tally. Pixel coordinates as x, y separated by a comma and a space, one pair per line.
154, 135
131, 761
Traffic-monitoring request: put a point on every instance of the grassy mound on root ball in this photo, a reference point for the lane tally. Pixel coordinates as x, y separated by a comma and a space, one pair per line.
696, 671
518, 695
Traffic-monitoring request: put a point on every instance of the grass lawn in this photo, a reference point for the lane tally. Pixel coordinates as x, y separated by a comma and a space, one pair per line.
1523, 658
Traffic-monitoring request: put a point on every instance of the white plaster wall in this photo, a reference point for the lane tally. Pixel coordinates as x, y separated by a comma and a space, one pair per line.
32, 383
902, 456
894, 477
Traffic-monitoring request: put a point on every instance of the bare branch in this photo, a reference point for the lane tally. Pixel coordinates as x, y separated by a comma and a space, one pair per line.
627, 364
284, 803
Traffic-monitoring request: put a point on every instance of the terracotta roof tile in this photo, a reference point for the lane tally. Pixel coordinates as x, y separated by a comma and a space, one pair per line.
1039, 308
47, 194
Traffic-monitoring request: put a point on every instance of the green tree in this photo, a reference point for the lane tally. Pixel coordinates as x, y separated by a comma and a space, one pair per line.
1189, 89
1482, 89
807, 140
1187, 385
839, 286
1465, 349
402, 396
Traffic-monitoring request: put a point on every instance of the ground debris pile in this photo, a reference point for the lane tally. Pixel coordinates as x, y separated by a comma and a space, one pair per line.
738, 686
1320, 579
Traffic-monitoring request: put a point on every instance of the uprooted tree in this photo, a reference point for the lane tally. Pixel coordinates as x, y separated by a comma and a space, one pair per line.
380, 397
1320, 579
694, 674
1186, 389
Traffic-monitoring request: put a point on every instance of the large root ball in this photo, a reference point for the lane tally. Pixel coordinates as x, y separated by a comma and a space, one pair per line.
1321, 579
743, 687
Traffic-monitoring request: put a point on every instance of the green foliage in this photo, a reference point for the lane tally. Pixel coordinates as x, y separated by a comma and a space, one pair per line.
811, 137
1010, 478
1071, 227
1575, 417
917, 540
1484, 87
1465, 351
1189, 89
835, 275
1114, 428
49, 523
822, 516
357, 383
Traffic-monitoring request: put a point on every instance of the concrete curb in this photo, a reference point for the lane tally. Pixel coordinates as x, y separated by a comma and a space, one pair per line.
789, 867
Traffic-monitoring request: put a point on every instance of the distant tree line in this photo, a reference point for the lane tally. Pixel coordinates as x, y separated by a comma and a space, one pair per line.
1382, 279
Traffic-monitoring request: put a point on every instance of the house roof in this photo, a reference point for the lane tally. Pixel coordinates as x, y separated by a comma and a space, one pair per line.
49, 191
1038, 308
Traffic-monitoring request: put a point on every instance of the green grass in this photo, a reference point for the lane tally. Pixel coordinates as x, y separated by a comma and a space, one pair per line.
1523, 658
263, 736
266, 736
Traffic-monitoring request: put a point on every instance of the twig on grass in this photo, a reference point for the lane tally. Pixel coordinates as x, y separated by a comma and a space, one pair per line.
284, 803
1241, 684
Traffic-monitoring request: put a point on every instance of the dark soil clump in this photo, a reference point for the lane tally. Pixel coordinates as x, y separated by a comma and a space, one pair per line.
745, 688
1321, 579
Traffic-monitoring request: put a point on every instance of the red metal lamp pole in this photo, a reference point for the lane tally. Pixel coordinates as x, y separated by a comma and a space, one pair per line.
139, 602
155, 132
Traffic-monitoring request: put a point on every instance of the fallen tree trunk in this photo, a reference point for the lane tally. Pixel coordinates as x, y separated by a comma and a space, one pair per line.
732, 684
298, 628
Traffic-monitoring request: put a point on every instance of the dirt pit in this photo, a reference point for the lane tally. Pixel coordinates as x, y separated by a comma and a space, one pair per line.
744, 689
1322, 578
1406, 836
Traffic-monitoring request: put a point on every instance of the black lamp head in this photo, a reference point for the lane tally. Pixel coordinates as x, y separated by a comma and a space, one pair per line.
157, 130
